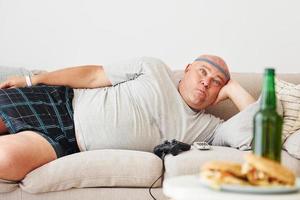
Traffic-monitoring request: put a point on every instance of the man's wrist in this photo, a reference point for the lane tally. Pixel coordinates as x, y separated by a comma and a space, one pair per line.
234, 87
28, 81
35, 80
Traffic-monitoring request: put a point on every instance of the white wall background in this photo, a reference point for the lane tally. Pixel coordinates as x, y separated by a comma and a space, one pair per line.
248, 34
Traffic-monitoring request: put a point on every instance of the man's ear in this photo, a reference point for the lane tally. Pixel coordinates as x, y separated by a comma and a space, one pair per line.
187, 68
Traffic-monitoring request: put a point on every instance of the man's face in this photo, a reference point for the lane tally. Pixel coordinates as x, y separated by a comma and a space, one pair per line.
201, 84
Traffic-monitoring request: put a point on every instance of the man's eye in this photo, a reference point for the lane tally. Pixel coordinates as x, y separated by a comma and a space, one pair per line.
202, 71
217, 82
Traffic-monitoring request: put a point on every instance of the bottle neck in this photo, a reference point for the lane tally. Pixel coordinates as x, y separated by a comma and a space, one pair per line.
268, 92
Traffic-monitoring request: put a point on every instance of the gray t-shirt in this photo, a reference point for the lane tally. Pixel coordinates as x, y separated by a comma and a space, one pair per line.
141, 110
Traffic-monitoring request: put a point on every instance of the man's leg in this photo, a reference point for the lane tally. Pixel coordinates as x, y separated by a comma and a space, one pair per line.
23, 152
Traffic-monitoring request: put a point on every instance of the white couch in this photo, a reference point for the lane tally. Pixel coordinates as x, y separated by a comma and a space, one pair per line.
125, 174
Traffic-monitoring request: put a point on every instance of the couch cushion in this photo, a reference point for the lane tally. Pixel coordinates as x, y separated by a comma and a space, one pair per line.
189, 162
7, 186
292, 144
289, 95
99, 168
291, 162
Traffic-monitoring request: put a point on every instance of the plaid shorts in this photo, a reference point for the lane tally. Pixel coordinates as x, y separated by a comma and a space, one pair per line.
44, 109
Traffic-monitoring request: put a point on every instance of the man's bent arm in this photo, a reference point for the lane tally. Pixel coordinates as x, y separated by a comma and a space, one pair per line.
240, 97
89, 76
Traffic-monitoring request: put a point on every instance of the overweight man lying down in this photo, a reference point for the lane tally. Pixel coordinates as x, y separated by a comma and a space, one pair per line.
135, 105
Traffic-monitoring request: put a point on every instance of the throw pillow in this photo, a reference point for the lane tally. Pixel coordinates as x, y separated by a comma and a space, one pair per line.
289, 95
292, 144
237, 132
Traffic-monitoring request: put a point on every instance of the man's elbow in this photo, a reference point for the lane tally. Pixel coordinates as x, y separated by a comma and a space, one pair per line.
100, 79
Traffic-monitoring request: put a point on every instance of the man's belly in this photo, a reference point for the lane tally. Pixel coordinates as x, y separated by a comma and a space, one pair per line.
93, 137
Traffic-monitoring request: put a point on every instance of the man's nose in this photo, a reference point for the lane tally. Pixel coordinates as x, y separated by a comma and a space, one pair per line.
206, 82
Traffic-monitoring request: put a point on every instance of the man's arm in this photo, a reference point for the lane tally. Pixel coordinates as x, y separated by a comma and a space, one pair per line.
234, 91
89, 76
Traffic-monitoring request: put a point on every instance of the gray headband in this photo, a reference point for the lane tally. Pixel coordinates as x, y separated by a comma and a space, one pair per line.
215, 65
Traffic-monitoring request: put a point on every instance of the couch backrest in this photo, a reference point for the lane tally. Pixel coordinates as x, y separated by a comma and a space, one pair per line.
252, 82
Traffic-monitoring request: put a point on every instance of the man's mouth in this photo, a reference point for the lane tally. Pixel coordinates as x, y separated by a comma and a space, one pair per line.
201, 92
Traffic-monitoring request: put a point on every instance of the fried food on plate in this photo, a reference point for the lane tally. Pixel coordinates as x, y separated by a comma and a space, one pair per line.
220, 172
261, 171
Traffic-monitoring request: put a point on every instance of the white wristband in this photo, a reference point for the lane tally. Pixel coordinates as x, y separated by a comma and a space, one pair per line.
28, 81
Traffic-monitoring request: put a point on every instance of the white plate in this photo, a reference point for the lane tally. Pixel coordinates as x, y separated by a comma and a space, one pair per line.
255, 189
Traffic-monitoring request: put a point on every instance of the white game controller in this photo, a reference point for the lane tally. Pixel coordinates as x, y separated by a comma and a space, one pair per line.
202, 145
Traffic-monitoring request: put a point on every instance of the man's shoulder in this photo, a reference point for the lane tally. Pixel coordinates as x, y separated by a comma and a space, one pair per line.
157, 67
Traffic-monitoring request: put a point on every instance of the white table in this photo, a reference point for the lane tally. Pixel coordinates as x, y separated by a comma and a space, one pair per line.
189, 188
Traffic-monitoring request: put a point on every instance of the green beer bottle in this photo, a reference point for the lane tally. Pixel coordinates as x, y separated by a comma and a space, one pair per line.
267, 123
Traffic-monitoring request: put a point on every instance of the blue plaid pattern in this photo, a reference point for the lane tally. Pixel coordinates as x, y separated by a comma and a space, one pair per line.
44, 109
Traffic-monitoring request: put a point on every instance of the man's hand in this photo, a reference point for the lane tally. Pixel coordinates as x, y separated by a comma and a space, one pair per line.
234, 91
13, 82
223, 94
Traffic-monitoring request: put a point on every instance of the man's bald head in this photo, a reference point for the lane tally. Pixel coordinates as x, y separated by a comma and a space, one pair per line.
202, 81
217, 62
